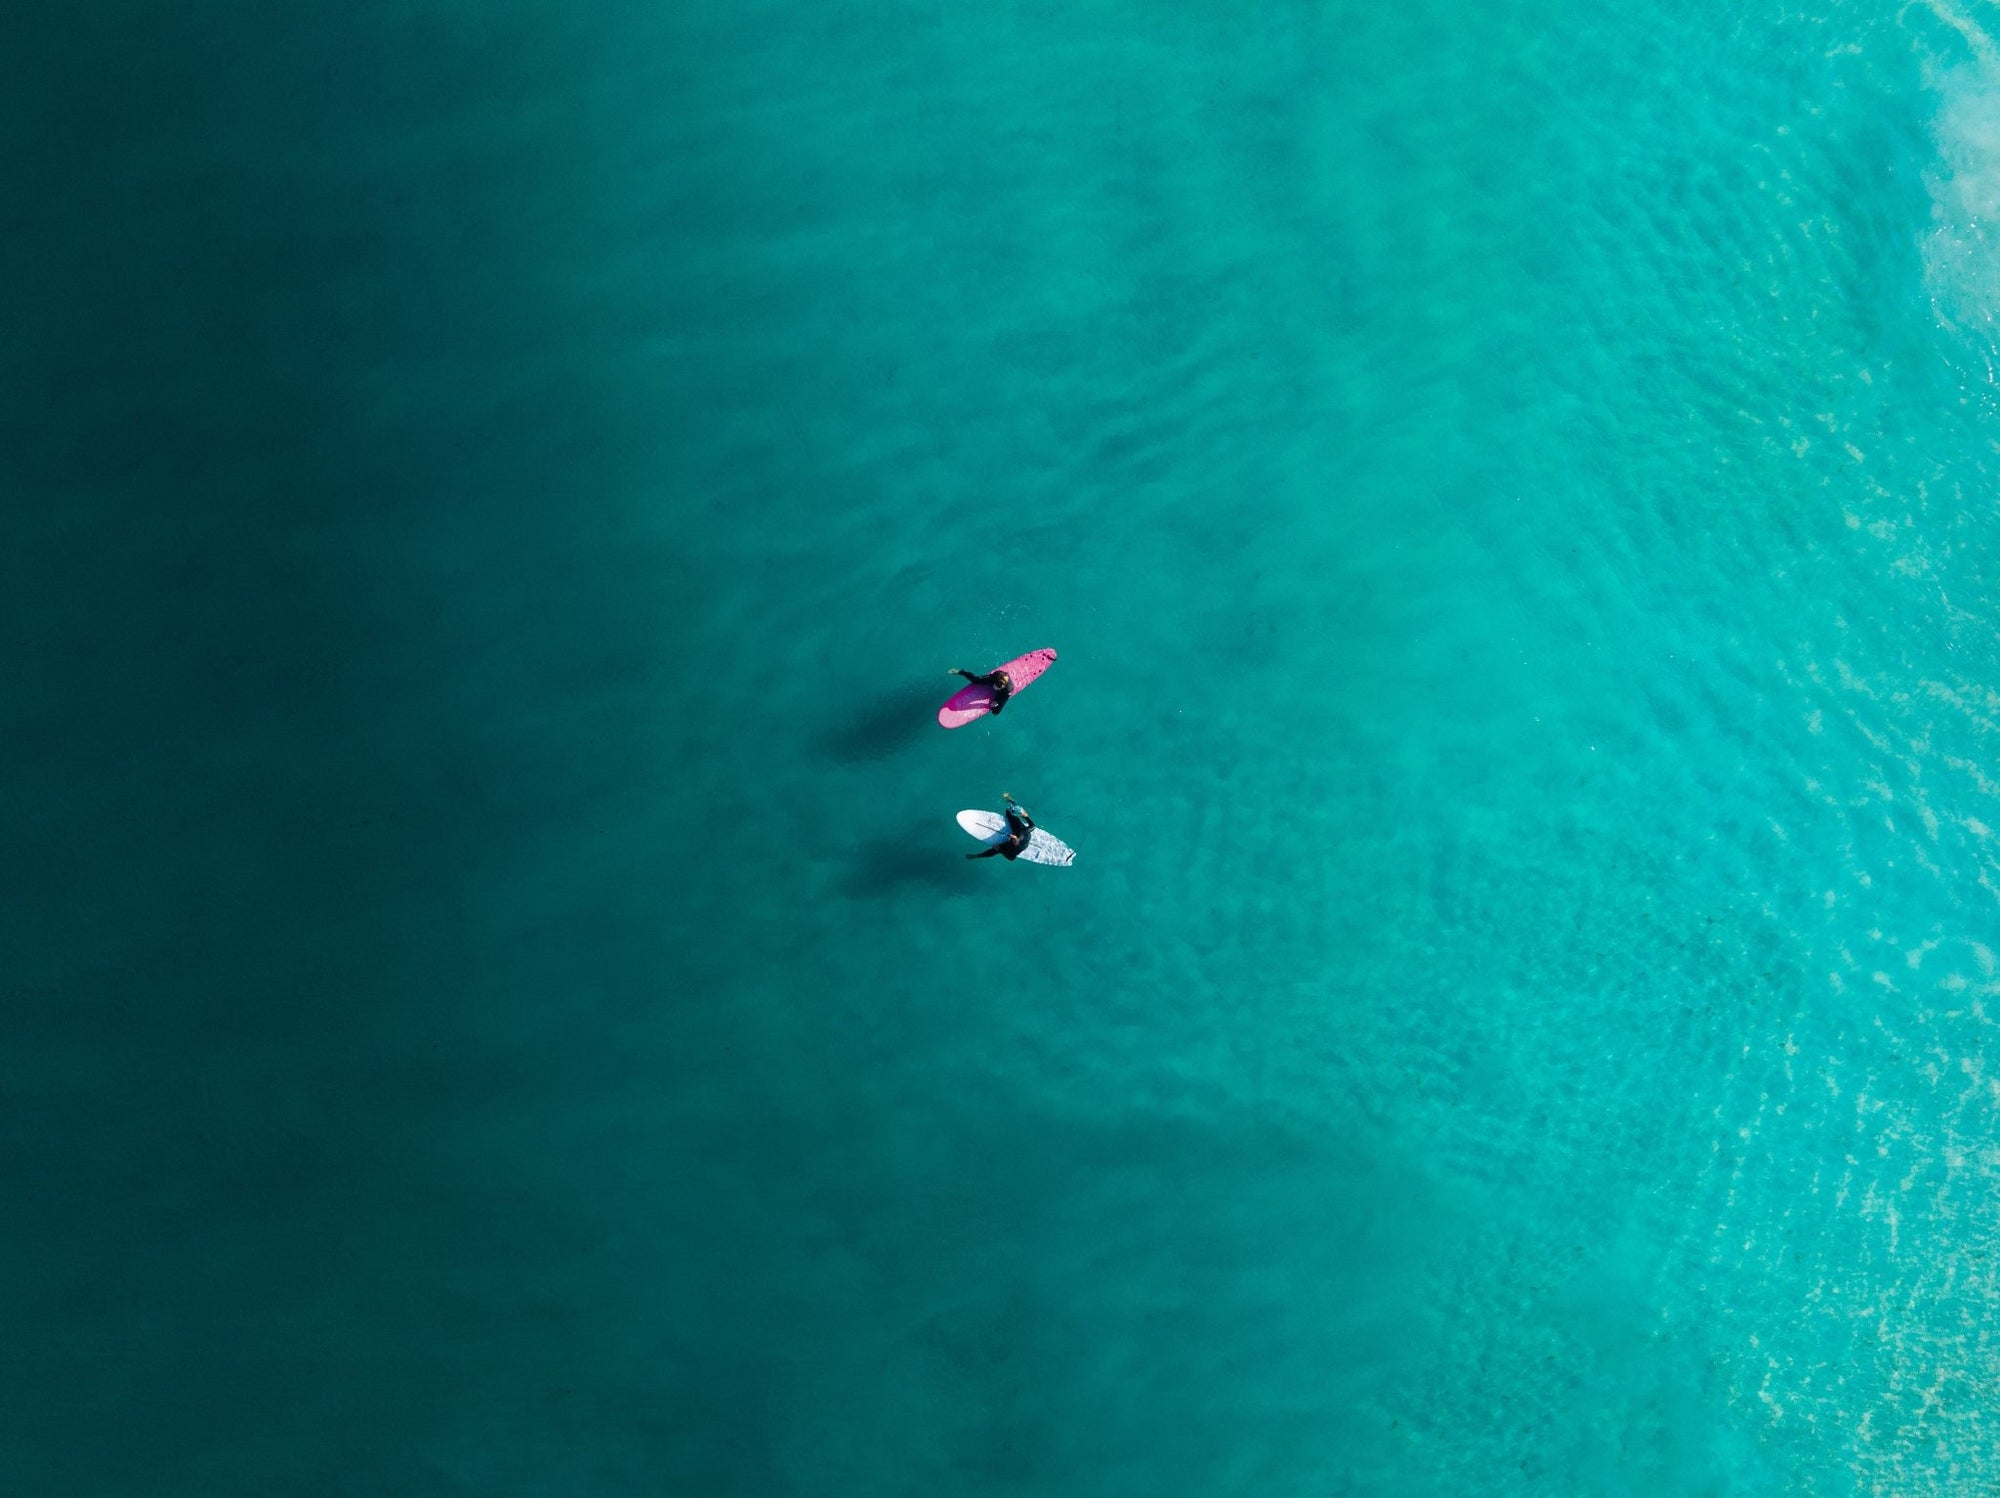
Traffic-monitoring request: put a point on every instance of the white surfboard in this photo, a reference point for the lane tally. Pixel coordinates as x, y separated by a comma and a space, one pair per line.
990, 828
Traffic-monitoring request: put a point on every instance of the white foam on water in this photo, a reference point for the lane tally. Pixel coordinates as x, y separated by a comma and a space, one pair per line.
1962, 250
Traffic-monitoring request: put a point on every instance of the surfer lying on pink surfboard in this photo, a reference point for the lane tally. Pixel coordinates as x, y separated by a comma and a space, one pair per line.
997, 681
988, 694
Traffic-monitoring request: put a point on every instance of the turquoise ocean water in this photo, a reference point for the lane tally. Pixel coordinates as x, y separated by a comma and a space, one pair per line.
493, 1003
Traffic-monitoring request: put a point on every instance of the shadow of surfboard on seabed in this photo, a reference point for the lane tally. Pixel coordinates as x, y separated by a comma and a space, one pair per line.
884, 725
897, 863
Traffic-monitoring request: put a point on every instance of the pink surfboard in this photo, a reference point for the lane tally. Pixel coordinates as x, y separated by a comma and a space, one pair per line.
976, 701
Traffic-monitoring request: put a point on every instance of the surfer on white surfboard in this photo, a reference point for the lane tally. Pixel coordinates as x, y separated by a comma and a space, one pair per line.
997, 681
1020, 827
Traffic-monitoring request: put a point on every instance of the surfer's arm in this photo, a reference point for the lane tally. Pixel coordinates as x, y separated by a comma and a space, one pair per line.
986, 852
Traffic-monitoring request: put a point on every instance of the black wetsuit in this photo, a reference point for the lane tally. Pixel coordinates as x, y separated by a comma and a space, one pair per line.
1020, 827
997, 681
